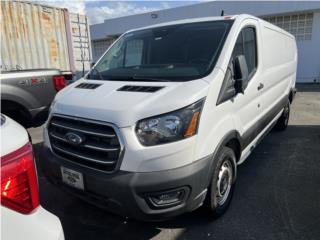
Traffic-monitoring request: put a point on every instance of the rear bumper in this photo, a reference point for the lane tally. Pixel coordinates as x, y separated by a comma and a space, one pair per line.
127, 193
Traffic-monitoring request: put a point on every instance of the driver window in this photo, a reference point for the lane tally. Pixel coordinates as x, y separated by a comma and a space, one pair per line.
246, 45
238, 48
133, 54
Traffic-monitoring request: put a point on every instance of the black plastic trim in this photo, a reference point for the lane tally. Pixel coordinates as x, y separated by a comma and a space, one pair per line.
261, 124
134, 88
85, 85
124, 193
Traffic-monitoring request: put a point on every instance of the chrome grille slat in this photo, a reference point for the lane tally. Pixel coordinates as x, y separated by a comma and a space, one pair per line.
99, 146
83, 157
109, 149
57, 137
83, 131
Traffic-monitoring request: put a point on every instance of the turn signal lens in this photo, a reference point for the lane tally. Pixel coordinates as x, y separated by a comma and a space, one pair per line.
192, 128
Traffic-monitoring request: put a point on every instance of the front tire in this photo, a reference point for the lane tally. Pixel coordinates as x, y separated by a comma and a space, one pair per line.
283, 121
221, 188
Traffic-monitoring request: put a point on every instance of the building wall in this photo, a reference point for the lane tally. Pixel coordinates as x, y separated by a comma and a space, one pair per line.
309, 54
309, 50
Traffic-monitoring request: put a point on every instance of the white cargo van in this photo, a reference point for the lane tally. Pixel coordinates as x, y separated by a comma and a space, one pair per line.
159, 125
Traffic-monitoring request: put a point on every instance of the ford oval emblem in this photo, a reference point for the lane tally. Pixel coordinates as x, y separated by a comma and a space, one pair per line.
73, 138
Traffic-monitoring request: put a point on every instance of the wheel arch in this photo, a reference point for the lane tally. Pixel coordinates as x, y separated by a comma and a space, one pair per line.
231, 140
21, 115
292, 94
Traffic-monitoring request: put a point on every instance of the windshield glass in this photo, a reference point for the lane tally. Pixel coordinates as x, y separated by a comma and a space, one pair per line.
171, 53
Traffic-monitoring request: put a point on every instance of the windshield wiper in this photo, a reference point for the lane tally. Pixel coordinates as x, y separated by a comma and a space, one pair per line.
149, 79
137, 78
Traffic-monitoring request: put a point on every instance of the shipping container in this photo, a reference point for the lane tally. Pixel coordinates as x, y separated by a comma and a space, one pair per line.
35, 36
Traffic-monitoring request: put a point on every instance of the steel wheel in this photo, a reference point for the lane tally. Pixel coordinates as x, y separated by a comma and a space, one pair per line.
286, 113
224, 182
283, 121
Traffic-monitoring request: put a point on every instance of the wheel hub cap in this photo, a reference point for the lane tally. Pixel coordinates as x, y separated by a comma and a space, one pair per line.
224, 182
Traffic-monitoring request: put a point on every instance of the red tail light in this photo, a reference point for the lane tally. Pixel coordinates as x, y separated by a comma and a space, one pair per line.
19, 186
59, 82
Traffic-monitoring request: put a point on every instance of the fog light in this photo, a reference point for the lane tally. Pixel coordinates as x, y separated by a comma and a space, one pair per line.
168, 199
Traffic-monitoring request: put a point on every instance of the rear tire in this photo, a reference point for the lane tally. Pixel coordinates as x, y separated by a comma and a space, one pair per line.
221, 188
283, 121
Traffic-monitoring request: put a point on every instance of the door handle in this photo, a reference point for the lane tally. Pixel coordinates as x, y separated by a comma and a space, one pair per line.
260, 86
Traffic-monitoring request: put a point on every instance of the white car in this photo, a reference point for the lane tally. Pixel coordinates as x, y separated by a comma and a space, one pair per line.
159, 125
21, 215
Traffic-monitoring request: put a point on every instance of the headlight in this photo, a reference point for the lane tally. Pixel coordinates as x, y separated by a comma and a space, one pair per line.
171, 126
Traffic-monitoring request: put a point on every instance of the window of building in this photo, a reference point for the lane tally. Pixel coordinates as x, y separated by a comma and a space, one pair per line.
299, 25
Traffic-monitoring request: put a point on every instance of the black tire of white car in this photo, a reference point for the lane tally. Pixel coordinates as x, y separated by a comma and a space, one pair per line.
221, 188
283, 121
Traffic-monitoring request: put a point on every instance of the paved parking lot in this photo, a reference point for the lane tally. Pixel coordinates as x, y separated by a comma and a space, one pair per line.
277, 194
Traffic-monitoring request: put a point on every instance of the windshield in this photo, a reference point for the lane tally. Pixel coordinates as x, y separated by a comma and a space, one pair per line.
171, 53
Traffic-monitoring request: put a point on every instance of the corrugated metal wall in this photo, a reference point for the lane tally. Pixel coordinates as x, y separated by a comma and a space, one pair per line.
33, 36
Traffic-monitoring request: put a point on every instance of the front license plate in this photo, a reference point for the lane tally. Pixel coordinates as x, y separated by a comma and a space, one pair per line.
72, 178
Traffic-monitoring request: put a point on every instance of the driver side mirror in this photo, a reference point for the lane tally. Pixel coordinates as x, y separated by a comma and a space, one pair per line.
241, 74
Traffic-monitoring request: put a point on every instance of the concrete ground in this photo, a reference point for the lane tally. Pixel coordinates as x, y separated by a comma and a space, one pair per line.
277, 195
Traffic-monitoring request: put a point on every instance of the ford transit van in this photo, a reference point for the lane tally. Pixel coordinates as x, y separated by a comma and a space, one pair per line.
161, 122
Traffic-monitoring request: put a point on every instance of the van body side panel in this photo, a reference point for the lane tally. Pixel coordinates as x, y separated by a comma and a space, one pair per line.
246, 107
279, 68
216, 121
258, 107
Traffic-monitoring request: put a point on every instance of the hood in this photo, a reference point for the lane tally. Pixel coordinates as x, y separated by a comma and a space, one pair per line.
124, 108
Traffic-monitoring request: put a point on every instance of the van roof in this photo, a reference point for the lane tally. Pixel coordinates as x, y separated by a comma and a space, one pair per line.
194, 20
239, 17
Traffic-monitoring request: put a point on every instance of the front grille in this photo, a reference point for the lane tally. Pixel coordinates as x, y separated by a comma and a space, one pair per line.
95, 145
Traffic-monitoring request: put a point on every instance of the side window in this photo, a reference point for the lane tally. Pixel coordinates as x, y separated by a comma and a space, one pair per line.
250, 48
238, 48
134, 53
246, 45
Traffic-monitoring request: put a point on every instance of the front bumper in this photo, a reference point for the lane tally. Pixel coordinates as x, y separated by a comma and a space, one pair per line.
126, 193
